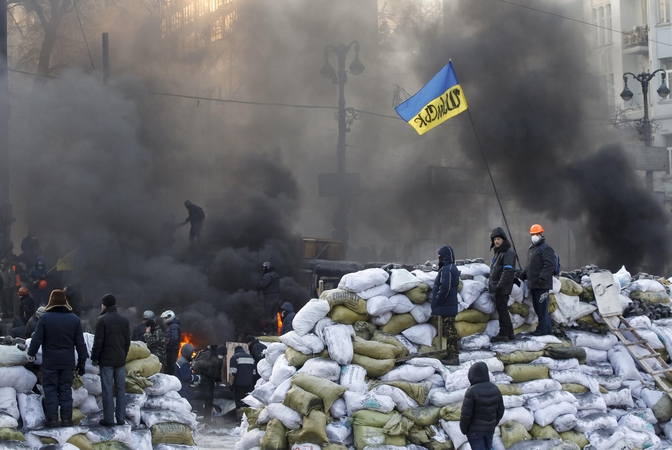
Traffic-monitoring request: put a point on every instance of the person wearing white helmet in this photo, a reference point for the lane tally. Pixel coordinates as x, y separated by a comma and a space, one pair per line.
173, 338
140, 329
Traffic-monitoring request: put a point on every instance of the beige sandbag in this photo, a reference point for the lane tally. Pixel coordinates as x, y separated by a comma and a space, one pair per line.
171, 433
465, 329
81, 442
651, 297
588, 295
419, 293
473, 316
339, 296
145, 367
386, 338
301, 401
547, 432
526, 372
371, 436
135, 384
398, 323
552, 303
570, 287
424, 416
112, 445
269, 338
452, 412
137, 350
417, 391
357, 306
313, 430
509, 389
364, 329
374, 367
296, 358
436, 445
77, 416
525, 328
663, 409
518, 357
519, 308
374, 349
558, 352
252, 417
368, 418
425, 349
332, 446
574, 388
327, 390
435, 343
11, 434
513, 432
398, 425
421, 435
341, 314
275, 437
575, 437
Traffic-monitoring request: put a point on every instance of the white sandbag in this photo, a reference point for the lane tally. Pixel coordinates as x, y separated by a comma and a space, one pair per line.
289, 418
273, 351
484, 303
252, 402
611, 383
622, 397
602, 369
595, 341
7, 421
167, 403
401, 304
322, 368
636, 423
78, 397
501, 378
399, 397
88, 366
363, 280
383, 290
162, 383
557, 364
494, 365
595, 422
456, 380
309, 315
605, 439
379, 305
546, 416
426, 362
436, 380
89, 405
645, 285
425, 277
281, 371
308, 344
491, 328
141, 440
593, 356
474, 270
441, 397
471, 290
338, 409
529, 345
8, 403
517, 293
339, 343
18, 377
475, 342
250, 440
30, 407
412, 348
650, 396
61, 434
622, 362
557, 285
353, 377
421, 334
452, 428
152, 417
401, 280
407, 372
280, 392
516, 320
640, 322
264, 392
422, 312
476, 355
355, 401
134, 404
340, 432
589, 400
513, 401
321, 325
382, 319
520, 415
575, 376
549, 398
564, 422
11, 355
623, 276
264, 369
92, 384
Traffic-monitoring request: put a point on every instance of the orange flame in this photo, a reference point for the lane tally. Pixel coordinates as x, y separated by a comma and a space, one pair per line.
187, 338
279, 323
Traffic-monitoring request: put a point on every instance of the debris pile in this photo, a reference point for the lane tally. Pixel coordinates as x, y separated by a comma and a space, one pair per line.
343, 378
157, 418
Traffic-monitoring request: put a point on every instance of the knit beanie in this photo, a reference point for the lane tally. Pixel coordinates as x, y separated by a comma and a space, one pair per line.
109, 300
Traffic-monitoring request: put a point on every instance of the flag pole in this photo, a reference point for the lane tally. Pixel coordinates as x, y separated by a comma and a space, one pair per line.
492, 181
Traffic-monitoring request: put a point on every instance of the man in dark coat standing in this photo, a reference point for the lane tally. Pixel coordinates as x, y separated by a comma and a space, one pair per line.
482, 408
242, 370
269, 291
26, 305
32, 322
183, 370
287, 314
501, 281
539, 276
444, 301
196, 218
140, 329
257, 350
173, 337
59, 332
110, 347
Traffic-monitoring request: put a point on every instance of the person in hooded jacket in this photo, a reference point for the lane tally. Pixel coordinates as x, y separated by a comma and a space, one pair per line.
287, 314
173, 336
269, 291
242, 370
501, 279
539, 275
482, 408
256, 350
444, 301
59, 333
26, 305
187, 377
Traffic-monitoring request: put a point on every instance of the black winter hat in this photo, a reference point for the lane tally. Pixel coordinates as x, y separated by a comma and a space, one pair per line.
109, 300
221, 350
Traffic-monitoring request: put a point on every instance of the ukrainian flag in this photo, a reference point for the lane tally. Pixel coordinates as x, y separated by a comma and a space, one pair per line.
439, 100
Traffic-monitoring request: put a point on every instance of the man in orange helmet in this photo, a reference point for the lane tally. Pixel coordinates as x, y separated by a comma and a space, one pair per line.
538, 272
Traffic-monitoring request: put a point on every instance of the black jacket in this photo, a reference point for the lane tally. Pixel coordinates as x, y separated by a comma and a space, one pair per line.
196, 214
483, 405
444, 294
112, 339
173, 334
288, 320
257, 349
59, 332
31, 325
18, 329
242, 366
139, 332
26, 308
269, 283
540, 266
502, 266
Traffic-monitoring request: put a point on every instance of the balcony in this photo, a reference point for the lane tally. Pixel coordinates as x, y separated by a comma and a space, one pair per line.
636, 42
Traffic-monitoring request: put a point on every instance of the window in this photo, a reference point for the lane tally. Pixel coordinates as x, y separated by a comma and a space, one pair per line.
189, 12
202, 7
663, 11
216, 30
608, 33
214, 4
228, 20
602, 33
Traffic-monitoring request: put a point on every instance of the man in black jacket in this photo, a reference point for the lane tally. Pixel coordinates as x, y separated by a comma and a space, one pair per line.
140, 329
482, 408
110, 347
59, 332
539, 276
241, 376
196, 218
501, 281
444, 302
269, 291
256, 350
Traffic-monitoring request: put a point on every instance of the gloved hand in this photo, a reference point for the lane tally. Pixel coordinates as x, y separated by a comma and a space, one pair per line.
94, 363
31, 358
81, 371
197, 380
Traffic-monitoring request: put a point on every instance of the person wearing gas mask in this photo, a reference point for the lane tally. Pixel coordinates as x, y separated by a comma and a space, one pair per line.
269, 291
538, 272
140, 329
444, 302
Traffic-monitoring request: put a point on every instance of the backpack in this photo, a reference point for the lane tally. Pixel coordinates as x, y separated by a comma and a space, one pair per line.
556, 270
205, 363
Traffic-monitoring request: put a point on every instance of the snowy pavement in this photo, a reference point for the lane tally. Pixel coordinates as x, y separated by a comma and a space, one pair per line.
212, 441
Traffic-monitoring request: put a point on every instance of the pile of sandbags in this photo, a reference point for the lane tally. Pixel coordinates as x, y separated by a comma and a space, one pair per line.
157, 418
334, 382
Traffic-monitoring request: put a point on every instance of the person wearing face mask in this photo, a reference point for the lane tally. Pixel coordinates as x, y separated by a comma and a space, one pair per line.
155, 340
444, 302
500, 283
538, 272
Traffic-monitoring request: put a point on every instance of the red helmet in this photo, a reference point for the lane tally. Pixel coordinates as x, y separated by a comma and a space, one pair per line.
536, 229
42, 285
23, 291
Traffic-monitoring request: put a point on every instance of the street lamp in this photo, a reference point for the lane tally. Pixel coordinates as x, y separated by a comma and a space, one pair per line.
345, 117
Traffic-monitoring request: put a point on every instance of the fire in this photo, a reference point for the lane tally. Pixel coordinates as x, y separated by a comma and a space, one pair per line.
187, 338
279, 324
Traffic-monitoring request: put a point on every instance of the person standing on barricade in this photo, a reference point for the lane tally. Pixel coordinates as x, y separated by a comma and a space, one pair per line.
444, 302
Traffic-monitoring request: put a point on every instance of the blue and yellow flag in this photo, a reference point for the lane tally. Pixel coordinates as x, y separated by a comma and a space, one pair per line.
437, 101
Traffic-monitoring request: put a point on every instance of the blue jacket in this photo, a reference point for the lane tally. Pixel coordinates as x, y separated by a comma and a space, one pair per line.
288, 320
444, 294
185, 374
243, 367
173, 334
59, 332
